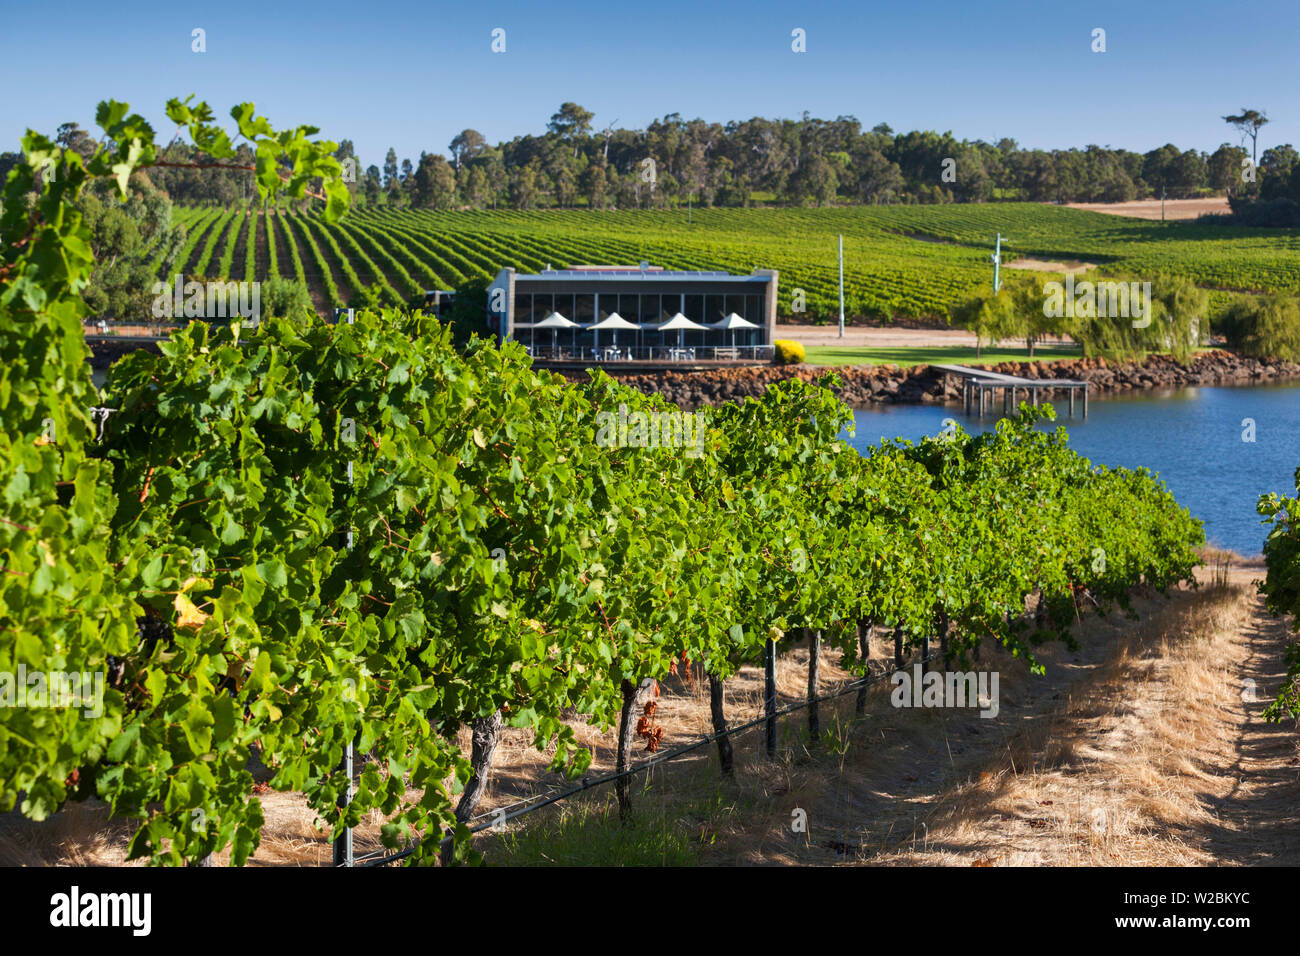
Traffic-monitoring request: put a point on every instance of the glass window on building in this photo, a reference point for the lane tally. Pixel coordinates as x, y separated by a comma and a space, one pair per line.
541, 306
713, 310
649, 312
628, 307
733, 303
695, 309
564, 304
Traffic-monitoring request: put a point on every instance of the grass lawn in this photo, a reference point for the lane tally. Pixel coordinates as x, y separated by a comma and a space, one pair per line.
932, 355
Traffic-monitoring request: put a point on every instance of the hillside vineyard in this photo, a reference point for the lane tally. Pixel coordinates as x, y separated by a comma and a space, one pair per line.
899, 260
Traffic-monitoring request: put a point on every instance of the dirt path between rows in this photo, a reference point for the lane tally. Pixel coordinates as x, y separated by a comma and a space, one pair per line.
1259, 813
1138, 750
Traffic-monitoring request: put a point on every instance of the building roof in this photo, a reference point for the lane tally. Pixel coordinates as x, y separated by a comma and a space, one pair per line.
623, 275
643, 267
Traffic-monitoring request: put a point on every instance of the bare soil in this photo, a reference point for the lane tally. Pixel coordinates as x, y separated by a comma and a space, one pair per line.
1047, 265
1175, 209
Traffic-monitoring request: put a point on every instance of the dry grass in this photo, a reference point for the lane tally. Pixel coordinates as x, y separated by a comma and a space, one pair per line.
1155, 760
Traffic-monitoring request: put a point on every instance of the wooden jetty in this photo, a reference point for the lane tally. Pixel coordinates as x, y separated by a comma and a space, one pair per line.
979, 388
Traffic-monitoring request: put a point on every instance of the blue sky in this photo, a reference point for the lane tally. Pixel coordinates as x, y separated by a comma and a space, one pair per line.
411, 75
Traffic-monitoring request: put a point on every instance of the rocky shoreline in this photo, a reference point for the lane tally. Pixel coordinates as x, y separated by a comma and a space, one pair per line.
104, 352
923, 384
864, 385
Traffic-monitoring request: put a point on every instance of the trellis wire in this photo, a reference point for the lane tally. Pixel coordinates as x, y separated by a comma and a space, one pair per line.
533, 804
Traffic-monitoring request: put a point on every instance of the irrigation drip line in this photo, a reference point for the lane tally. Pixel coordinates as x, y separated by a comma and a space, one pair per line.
532, 804
494, 813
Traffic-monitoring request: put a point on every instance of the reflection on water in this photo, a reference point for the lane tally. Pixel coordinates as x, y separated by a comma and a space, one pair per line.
1192, 437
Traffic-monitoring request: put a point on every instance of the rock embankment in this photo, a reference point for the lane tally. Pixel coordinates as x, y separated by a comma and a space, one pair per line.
105, 351
868, 384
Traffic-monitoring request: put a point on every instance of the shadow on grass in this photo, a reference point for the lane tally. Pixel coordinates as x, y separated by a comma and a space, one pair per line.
589, 833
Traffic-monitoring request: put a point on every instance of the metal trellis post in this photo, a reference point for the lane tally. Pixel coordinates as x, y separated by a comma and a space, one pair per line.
769, 695
343, 842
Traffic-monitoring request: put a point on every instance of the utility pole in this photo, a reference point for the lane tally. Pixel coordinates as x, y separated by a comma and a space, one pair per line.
1162, 202
996, 259
841, 285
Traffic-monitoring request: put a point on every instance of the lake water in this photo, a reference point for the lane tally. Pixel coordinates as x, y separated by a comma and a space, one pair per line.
1192, 437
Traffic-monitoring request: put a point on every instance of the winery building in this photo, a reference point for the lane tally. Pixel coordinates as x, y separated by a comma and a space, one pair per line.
635, 313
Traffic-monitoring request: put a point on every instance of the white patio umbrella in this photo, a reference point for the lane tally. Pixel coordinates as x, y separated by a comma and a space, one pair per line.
731, 323
679, 324
553, 322
613, 323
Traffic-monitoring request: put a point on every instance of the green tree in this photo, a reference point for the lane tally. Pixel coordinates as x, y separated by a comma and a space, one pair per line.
815, 183
1223, 169
595, 186
1248, 123
1263, 326
390, 168
498, 177
346, 154
1158, 167
1027, 317
434, 183
372, 185
1187, 173
395, 194
73, 137
1277, 168
570, 124
478, 192
466, 146
523, 188
566, 187
878, 179
986, 315
125, 239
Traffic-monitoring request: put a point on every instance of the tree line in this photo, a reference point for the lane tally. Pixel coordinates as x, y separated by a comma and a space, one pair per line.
805, 161
808, 161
